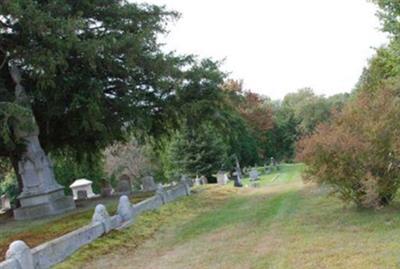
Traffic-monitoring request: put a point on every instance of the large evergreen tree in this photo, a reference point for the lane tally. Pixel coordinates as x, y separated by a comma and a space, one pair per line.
196, 152
93, 70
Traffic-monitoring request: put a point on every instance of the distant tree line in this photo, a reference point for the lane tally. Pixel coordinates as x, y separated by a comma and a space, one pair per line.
97, 78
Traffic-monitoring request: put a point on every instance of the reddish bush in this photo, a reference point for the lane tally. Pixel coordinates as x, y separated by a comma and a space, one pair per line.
358, 153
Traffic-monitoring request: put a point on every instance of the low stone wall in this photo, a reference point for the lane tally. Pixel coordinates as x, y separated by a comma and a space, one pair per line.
20, 256
173, 193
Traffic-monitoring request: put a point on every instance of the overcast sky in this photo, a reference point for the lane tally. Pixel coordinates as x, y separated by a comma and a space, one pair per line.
279, 46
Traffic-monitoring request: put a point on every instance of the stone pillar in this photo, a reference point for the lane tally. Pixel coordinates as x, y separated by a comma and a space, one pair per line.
184, 181
20, 252
125, 210
160, 192
101, 216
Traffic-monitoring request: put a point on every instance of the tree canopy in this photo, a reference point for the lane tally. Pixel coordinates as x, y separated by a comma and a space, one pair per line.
94, 69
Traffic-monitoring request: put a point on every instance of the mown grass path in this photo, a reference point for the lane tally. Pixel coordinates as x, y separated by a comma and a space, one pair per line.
283, 225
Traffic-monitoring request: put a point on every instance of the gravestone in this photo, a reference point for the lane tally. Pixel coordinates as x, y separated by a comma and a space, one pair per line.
81, 195
237, 180
106, 189
82, 186
41, 194
238, 175
274, 163
203, 180
254, 175
5, 203
222, 178
197, 181
267, 169
124, 185
149, 184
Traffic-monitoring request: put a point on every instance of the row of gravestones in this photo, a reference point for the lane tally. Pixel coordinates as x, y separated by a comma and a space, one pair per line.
222, 177
82, 188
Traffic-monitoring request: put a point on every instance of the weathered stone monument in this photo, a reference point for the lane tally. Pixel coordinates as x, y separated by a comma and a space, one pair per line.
149, 183
222, 178
5, 203
203, 180
82, 189
254, 175
124, 185
197, 181
125, 208
41, 195
274, 164
238, 175
106, 188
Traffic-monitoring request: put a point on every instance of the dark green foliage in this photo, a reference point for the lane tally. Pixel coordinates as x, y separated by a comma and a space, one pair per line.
193, 152
9, 185
67, 168
93, 68
307, 108
281, 139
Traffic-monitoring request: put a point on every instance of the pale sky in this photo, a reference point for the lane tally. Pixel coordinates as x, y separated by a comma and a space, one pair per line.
279, 46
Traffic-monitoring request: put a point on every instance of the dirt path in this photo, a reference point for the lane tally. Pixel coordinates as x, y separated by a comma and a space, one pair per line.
226, 243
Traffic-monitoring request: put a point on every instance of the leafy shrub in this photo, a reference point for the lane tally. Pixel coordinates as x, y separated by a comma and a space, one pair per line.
9, 186
358, 154
68, 168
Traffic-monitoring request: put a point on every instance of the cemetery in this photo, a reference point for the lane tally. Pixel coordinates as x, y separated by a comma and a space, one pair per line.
162, 134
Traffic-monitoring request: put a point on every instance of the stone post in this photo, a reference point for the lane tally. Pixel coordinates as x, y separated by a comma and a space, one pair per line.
20, 252
101, 216
185, 183
125, 210
161, 193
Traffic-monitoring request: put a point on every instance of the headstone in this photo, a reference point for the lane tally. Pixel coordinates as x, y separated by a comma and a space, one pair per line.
82, 189
41, 194
197, 181
238, 175
274, 164
106, 189
267, 169
237, 181
5, 202
222, 178
254, 175
124, 185
203, 180
185, 182
149, 184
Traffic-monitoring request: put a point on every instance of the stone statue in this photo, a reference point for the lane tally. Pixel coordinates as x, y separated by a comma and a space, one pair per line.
41, 194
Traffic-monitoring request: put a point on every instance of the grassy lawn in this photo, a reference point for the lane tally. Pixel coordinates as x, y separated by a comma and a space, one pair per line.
283, 225
286, 173
36, 232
